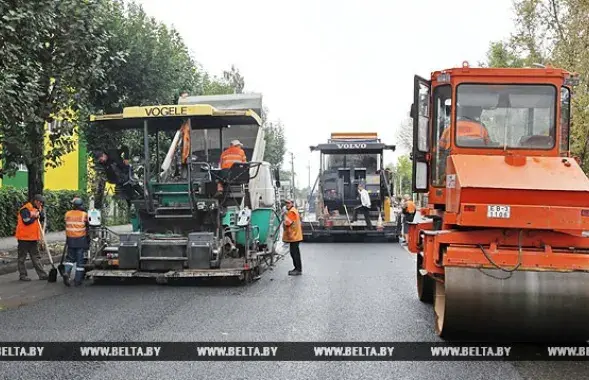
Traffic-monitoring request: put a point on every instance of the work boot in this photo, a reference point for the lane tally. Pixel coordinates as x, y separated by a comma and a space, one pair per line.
66, 281
24, 278
79, 278
295, 272
43, 277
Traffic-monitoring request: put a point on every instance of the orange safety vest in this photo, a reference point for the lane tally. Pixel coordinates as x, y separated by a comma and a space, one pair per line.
31, 232
465, 129
75, 224
410, 207
232, 155
185, 142
293, 230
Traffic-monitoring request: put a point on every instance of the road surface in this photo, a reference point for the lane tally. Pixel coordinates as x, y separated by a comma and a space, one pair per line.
349, 292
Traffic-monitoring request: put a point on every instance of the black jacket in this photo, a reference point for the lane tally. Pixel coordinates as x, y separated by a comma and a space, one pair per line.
117, 172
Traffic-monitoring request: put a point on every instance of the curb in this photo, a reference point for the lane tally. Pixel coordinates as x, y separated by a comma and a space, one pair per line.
13, 267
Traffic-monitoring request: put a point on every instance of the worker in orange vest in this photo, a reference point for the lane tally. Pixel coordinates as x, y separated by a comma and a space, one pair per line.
468, 125
409, 210
77, 240
230, 156
293, 234
28, 234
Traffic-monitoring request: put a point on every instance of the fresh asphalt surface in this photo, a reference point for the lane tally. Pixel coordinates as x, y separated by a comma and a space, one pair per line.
349, 292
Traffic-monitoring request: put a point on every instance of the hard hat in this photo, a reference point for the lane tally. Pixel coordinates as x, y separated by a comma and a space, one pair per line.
39, 197
77, 201
236, 143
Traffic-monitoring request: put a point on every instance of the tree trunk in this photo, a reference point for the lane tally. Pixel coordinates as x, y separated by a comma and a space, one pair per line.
36, 164
35, 180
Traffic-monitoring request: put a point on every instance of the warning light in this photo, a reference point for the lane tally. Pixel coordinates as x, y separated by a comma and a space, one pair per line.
443, 78
572, 80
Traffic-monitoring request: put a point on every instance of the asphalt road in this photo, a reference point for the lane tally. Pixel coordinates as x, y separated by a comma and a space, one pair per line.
349, 292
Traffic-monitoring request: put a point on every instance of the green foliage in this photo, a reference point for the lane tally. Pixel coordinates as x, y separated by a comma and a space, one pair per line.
235, 79
216, 86
553, 32
50, 52
10, 202
157, 67
401, 175
114, 212
500, 54
275, 143
69, 59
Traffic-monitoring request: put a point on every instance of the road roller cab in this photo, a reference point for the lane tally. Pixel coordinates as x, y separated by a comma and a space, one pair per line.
504, 241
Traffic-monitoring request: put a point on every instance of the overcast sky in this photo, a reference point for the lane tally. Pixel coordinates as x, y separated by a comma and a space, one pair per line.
335, 65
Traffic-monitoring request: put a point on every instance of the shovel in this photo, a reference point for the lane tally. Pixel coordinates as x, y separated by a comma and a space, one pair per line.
61, 267
348, 216
53, 271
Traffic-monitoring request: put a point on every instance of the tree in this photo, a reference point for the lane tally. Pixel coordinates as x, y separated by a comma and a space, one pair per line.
402, 174
275, 140
156, 68
216, 86
554, 32
275, 143
500, 54
49, 52
235, 79
405, 134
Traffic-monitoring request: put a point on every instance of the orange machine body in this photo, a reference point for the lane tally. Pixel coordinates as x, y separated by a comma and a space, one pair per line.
545, 189
499, 206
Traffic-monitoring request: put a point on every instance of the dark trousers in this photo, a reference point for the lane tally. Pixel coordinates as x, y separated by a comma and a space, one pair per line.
75, 256
295, 253
30, 248
366, 212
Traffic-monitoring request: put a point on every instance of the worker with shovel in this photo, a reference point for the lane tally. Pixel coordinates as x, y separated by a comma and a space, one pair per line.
77, 240
28, 235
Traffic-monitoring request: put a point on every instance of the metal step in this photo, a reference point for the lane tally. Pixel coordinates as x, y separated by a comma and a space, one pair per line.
167, 242
157, 258
171, 193
172, 208
181, 216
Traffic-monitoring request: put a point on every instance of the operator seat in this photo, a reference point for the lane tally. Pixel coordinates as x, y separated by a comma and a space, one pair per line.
238, 174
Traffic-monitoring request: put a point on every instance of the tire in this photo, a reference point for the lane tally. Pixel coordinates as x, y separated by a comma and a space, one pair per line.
425, 284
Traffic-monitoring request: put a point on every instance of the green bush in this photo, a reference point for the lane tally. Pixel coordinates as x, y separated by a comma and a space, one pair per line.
115, 212
57, 204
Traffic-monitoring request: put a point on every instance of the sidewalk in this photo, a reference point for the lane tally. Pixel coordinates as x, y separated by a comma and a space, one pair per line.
55, 241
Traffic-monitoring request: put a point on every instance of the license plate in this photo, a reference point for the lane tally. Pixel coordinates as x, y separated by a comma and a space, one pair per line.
498, 212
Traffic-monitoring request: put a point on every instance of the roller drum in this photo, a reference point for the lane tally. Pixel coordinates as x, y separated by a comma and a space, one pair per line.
532, 304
